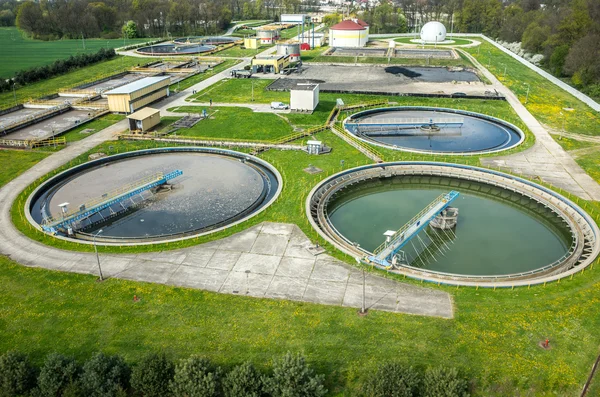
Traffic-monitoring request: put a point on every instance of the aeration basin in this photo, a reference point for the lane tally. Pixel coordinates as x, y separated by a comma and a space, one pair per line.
509, 231
175, 49
217, 188
433, 130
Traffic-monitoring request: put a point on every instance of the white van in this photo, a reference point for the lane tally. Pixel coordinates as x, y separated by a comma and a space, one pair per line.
279, 105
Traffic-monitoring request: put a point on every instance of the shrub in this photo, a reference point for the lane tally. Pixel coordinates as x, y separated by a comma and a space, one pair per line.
243, 381
152, 376
444, 382
17, 376
392, 379
196, 377
105, 376
293, 377
57, 375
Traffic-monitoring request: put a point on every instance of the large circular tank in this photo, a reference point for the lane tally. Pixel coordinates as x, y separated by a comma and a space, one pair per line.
509, 231
433, 130
206, 40
433, 32
175, 49
267, 36
217, 188
291, 49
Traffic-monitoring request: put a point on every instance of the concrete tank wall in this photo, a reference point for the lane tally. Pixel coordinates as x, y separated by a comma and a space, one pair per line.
291, 49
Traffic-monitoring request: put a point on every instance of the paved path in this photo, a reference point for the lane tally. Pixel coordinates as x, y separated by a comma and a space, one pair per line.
546, 159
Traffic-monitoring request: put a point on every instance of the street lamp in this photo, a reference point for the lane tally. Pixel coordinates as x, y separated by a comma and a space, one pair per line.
97, 256
527, 95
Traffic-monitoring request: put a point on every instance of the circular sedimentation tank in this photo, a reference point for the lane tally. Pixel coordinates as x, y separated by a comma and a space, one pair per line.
217, 188
206, 40
434, 130
509, 231
175, 49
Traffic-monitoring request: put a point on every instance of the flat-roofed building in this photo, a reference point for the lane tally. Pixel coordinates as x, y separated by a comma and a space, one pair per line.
133, 96
270, 63
143, 120
304, 97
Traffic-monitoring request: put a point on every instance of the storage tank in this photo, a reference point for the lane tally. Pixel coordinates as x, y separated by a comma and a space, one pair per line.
433, 32
291, 49
267, 36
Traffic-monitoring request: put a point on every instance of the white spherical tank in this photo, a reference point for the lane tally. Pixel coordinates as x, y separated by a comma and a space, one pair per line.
433, 32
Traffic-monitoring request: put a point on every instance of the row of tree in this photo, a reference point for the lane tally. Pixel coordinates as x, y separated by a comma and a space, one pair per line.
56, 68
157, 376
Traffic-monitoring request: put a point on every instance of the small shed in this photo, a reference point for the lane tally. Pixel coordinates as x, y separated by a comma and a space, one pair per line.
304, 97
251, 42
143, 120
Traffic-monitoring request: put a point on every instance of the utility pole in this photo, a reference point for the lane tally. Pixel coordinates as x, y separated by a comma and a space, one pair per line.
97, 256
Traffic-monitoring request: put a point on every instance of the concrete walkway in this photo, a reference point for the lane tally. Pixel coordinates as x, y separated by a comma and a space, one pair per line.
546, 160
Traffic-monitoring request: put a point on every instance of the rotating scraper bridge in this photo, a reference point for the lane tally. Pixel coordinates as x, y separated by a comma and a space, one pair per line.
585, 245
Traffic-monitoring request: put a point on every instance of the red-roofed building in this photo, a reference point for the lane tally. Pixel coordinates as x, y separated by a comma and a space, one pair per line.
349, 33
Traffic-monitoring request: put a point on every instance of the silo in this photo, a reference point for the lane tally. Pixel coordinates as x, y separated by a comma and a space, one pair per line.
291, 49
267, 36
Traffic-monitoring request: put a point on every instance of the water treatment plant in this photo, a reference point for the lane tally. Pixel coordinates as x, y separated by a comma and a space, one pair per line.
433, 130
154, 195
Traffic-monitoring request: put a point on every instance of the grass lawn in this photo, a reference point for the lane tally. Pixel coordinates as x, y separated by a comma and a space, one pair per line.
591, 164
546, 101
195, 79
15, 162
240, 52
236, 123
573, 144
95, 125
53, 85
20, 53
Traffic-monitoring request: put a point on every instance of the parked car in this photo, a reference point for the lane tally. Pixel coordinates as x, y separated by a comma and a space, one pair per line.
279, 105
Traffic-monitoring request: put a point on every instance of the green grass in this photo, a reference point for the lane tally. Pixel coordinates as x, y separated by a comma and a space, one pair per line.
546, 101
15, 162
53, 85
457, 41
239, 52
236, 123
20, 53
195, 79
591, 164
573, 144
493, 337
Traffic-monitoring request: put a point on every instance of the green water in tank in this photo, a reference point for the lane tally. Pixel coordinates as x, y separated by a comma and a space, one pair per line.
498, 231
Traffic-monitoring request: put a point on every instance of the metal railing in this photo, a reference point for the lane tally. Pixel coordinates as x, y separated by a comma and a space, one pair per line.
414, 219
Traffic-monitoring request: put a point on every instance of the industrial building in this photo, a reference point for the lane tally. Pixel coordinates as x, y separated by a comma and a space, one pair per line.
433, 32
268, 34
252, 42
304, 97
133, 96
309, 40
291, 49
270, 63
297, 19
144, 119
350, 33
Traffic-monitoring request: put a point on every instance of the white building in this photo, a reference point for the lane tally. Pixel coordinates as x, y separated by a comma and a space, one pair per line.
304, 97
433, 32
350, 33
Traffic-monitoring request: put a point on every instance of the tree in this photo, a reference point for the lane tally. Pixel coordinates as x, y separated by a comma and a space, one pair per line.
243, 381
152, 375
105, 376
196, 377
29, 17
534, 37
17, 376
129, 30
444, 382
392, 379
58, 374
583, 61
292, 377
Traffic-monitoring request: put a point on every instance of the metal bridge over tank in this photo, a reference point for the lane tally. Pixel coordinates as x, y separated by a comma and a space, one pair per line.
116, 196
384, 255
391, 126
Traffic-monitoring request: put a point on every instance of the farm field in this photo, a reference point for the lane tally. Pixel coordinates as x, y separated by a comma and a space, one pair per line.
20, 53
